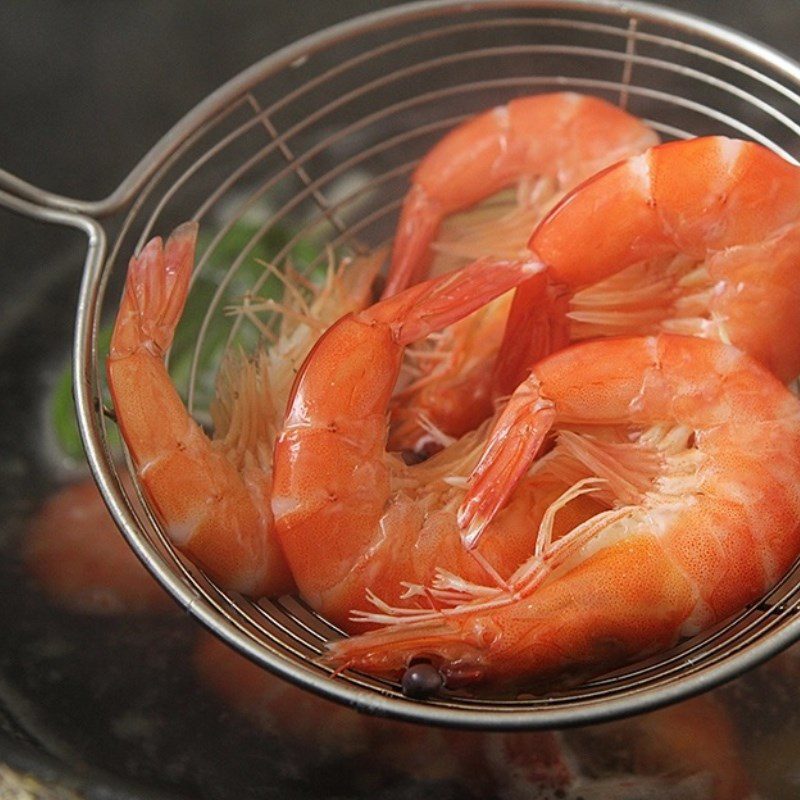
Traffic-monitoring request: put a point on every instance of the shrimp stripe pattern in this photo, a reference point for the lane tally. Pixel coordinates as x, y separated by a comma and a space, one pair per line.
714, 522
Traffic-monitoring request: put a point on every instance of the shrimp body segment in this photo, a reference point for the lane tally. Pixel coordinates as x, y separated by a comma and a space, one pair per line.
350, 515
698, 450
699, 237
564, 135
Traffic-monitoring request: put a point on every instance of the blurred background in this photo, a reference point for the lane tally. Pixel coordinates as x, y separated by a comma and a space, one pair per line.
86, 88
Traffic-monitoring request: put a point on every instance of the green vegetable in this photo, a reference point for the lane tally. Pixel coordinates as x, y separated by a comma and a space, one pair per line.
62, 409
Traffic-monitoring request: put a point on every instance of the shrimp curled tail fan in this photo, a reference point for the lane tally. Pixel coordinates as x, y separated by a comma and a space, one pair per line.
715, 526
155, 293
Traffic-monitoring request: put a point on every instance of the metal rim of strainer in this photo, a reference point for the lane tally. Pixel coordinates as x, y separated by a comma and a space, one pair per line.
284, 636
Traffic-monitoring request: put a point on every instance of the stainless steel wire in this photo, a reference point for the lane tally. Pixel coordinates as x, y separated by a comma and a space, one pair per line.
315, 145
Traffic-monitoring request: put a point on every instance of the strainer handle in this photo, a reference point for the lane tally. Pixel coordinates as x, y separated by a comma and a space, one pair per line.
23, 198
12, 186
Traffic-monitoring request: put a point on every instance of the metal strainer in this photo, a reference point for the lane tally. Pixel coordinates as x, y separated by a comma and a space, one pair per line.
318, 141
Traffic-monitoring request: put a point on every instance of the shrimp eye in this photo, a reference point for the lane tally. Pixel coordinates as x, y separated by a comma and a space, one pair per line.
421, 680
411, 457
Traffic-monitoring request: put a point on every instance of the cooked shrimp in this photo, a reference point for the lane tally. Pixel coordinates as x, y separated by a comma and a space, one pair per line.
545, 144
700, 237
213, 496
563, 136
351, 516
695, 737
698, 450
689, 751
75, 554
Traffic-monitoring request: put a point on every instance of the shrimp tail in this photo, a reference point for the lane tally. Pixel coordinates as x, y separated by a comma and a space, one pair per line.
155, 293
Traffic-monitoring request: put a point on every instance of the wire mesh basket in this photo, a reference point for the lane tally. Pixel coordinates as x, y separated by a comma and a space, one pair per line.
313, 148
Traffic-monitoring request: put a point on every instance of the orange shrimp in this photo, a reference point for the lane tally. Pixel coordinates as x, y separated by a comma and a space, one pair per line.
213, 496
564, 136
75, 554
696, 737
350, 515
687, 751
698, 450
546, 144
700, 237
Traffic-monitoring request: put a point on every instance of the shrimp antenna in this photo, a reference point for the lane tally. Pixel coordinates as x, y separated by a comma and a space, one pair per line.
287, 284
